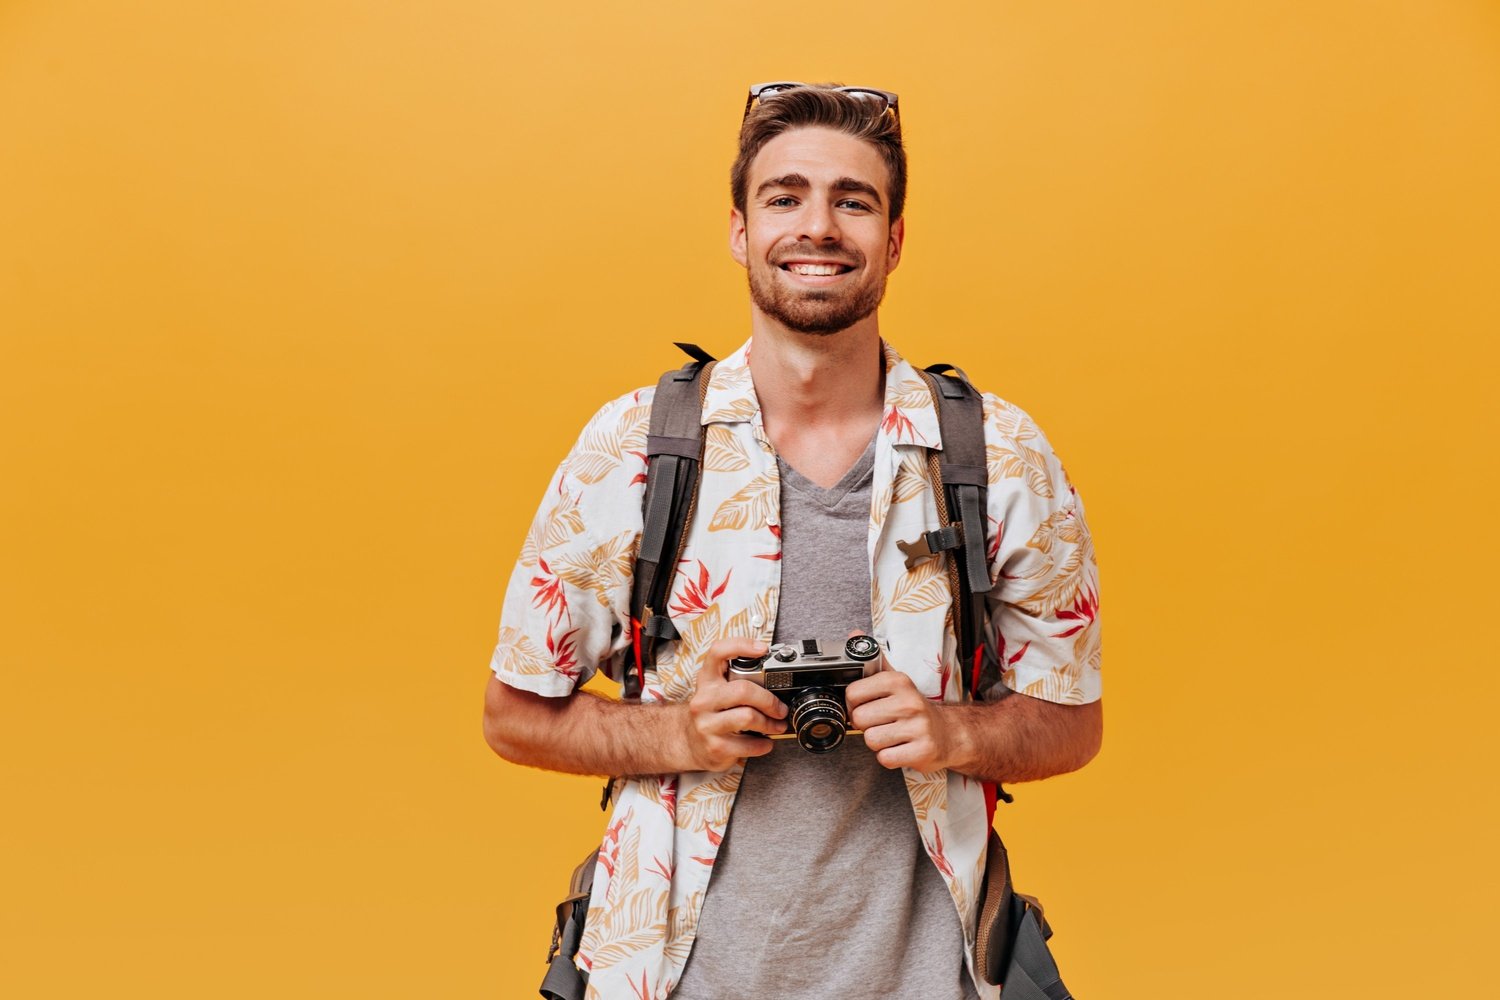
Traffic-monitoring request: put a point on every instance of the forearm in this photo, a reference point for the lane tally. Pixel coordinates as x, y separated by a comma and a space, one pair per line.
1020, 738
584, 733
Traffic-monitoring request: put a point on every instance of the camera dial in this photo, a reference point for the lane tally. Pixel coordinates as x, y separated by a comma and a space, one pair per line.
862, 647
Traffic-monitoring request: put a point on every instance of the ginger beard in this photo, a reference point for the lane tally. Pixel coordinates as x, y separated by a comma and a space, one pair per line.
819, 311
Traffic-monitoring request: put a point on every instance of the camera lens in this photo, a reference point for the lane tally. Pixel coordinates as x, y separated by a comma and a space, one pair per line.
819, 720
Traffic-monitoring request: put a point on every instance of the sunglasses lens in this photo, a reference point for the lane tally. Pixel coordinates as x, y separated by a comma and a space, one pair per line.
878, 101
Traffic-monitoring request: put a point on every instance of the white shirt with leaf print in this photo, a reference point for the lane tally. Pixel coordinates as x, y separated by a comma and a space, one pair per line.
566, 615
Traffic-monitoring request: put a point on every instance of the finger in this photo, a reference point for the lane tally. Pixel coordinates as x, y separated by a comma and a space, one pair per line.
883, 737
743, 720
757, 697
895, 757
733, 694
748, 746
868, 689
883, 712
721, 651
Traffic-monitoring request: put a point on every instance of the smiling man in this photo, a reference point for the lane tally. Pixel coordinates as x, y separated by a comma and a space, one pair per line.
736, 865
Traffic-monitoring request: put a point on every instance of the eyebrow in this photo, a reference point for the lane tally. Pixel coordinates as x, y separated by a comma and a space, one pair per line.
797, 182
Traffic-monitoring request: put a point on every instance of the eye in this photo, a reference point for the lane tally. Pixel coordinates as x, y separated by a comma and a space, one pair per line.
854, 204
781, 201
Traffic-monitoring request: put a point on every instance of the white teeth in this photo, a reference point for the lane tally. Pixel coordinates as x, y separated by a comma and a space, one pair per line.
814, 268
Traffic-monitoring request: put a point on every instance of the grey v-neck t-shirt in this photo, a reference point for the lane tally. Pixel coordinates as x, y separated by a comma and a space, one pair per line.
822, 888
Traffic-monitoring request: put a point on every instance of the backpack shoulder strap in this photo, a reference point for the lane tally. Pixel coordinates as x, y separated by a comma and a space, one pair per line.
674, 453
960, 484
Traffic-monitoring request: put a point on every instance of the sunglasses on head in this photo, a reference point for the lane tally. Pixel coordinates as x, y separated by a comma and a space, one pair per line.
881, 101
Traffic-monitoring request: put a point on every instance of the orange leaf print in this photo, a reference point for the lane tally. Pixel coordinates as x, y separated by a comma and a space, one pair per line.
722, 452
1017, 461
753, 505
922, 588
911, 480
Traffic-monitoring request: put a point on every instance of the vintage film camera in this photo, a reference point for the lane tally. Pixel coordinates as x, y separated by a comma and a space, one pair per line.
810, 675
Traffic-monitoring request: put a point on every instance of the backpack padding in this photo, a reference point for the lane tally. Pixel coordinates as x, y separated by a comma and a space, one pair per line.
964, 476
674, 453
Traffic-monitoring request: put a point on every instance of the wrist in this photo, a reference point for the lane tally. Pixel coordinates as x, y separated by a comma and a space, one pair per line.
680, 739
962, 738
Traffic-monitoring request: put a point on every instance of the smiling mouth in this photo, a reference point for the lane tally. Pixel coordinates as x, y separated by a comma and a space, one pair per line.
814, 270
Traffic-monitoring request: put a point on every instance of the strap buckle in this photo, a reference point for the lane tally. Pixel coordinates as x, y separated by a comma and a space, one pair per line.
931, 543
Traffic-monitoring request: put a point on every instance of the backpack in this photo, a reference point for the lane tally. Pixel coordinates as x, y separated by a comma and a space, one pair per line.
1010, 945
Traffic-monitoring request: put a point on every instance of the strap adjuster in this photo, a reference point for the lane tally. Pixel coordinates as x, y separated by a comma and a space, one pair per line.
931, 543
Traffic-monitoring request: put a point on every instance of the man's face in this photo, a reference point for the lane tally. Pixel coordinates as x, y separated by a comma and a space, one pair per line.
814, 237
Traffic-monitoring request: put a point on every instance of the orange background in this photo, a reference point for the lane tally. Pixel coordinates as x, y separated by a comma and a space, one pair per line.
302, 301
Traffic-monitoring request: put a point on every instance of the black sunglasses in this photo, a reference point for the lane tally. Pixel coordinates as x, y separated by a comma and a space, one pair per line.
881, 101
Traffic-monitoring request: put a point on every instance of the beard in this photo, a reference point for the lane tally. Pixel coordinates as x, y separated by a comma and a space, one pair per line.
817, 311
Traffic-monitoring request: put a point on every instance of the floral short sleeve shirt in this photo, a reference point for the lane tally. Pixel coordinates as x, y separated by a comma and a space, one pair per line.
566, 615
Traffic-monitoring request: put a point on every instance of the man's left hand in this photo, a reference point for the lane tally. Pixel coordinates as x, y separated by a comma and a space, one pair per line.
901, 725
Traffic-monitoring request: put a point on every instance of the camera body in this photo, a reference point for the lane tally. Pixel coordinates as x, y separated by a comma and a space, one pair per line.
810, 676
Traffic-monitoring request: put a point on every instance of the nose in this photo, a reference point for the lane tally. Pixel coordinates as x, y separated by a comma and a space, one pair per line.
819, 224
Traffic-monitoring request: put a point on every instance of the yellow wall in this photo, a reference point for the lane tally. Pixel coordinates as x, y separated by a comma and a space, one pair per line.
301, 302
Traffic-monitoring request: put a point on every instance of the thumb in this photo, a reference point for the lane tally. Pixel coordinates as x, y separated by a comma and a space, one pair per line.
716, 660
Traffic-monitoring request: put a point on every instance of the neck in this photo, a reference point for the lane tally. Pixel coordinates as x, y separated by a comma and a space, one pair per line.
805, 380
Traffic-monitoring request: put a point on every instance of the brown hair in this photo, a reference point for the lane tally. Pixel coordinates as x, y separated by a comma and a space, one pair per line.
821, 106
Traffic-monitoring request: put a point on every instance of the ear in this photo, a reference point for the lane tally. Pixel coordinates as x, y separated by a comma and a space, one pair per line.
893, 245
738, 247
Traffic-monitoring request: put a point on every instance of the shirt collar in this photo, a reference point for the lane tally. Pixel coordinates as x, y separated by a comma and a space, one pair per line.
909, 418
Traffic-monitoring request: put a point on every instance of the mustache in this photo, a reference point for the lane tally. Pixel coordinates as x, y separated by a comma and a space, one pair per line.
834, 255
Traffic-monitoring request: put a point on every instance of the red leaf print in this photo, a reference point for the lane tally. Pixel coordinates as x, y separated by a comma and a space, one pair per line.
1011, 660
714, 837
700, 593
662, 868
897, 423
549, 592
775, 530
564, 651
644, 993
1085, 609
669, 796
992, 552
935, 849
608, 855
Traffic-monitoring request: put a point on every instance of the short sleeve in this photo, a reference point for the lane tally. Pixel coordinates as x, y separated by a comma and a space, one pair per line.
567, 606
1043, 638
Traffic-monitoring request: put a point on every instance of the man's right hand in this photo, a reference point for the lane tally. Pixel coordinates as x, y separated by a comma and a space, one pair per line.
722, 712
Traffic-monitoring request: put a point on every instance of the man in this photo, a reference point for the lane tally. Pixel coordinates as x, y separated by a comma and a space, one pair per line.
851, 873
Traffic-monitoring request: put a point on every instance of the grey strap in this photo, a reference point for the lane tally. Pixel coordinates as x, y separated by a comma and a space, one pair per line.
682, 447
1032, 973
564, 980
964, 474
674, 450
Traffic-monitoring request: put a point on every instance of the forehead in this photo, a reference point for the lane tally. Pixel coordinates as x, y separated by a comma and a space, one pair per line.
820, 155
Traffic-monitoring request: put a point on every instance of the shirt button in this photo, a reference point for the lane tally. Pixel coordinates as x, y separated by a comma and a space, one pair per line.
757, 621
